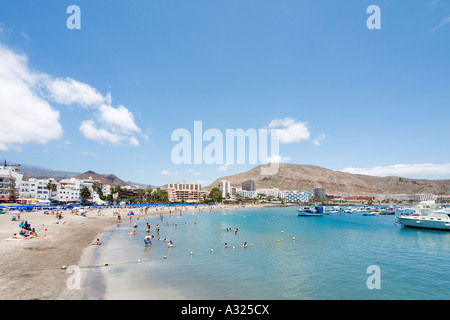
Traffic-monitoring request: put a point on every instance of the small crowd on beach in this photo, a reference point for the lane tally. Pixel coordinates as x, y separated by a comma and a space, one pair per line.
26, 232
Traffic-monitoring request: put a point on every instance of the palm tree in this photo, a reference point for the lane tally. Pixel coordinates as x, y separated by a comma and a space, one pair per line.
51, 187
115, 189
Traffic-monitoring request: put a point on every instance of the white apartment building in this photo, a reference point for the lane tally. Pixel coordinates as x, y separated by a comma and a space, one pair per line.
35, 189
274, 192
225, 187
67, 190
246, 193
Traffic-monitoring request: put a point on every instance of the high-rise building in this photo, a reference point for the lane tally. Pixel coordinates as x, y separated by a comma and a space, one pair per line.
249, 185
225, 187
319, 193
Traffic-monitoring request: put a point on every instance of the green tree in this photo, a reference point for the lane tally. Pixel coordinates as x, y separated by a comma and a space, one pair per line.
161, 196
215, 195
51, 187
85, 193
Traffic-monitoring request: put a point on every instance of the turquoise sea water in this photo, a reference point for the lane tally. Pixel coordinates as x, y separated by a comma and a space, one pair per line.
327, 260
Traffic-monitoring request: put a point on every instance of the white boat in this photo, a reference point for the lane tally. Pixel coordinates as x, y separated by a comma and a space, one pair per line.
369, 213
310, 211
429, 217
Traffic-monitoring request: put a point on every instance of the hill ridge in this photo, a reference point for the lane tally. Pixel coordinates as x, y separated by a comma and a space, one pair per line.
308, 177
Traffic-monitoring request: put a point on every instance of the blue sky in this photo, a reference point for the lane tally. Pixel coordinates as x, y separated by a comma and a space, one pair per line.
109, 96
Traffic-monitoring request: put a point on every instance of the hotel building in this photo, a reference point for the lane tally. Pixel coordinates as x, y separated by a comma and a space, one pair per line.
297, 196
187, 192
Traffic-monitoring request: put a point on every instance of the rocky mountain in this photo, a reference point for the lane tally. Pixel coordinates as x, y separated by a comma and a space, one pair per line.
104, 179
307, 177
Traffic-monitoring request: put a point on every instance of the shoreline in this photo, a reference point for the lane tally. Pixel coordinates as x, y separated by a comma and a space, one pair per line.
31, 269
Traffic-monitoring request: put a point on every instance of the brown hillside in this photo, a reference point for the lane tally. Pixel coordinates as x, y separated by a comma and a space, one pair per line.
105, 179
307, 177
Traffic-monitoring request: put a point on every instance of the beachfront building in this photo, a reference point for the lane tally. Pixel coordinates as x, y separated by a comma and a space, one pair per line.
67, 190
10, 179
297, 196
249, 185
7, 189
319, 193
247, 194
269, 192
183, 192
35, 189
225, 187
405, 197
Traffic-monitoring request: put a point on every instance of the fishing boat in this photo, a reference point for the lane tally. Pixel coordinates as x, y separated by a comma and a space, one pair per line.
387, 211
428, 217
311, 211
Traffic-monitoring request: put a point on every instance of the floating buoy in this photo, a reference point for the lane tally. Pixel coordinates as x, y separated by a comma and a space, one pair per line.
234, 247
293, 238
63, 267
251, 244
212, 250
190, 253
165, 257
278, 240
264, 242
106, 264
139, 261
282, 231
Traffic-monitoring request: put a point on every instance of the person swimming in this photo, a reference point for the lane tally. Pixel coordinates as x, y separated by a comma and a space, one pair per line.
244, 245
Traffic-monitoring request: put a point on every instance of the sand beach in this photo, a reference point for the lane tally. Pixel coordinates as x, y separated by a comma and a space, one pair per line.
37, 268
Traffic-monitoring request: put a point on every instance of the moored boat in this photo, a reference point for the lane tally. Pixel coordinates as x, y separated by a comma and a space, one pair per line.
428, 217
311, 211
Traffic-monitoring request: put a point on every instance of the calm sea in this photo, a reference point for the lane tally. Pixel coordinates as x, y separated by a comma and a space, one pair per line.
328, 259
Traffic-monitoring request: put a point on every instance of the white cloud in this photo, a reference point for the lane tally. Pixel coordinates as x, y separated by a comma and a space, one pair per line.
290, 131
25, 116
115, 126
194, 173
317, 141
90, 131
120, 118
168, 173
69, 91
133, 142
277, 159
443, 23
88, 153
223, 168
404, 170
